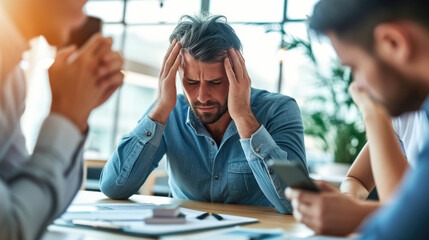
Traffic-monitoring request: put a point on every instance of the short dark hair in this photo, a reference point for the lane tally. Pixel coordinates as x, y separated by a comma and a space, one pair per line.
355, 20
206, 38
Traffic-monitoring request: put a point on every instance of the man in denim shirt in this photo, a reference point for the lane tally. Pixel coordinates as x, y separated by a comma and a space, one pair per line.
219, 135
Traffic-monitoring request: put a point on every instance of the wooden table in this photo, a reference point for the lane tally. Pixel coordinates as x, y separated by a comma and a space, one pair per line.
268, 217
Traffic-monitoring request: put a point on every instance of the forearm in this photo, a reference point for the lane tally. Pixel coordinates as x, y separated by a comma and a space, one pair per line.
259, 149
388, 162
133, 160
247, 125
159, 114
40, 191
359, 180
361, 212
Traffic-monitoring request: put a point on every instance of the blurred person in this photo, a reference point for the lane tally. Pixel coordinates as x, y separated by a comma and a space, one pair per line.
218, 135
37, 188
409, 131
385, 44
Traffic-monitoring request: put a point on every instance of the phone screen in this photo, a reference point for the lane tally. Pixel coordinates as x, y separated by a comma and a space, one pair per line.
293, 175
80, 35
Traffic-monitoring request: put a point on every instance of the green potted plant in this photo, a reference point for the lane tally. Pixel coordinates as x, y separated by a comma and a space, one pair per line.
330, 116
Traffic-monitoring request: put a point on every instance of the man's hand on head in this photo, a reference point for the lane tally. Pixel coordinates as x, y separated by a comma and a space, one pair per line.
239, 94
167, 91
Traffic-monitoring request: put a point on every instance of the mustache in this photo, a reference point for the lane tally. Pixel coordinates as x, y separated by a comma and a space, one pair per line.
207, 104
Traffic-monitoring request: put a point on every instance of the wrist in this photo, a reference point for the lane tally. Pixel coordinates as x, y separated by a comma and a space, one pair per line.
374, 113
80, 122
159, 116
247, 125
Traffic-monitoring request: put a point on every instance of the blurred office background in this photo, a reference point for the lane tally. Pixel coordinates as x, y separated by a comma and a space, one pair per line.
281, 56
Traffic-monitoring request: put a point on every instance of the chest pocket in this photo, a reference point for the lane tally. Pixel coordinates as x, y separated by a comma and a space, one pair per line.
241, 181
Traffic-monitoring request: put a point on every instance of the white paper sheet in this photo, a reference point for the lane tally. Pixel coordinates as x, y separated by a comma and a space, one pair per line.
129, 217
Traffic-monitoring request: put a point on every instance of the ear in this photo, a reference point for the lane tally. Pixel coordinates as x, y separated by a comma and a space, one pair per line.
392, 43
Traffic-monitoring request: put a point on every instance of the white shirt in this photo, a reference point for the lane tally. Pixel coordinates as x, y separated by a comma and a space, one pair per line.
412, 130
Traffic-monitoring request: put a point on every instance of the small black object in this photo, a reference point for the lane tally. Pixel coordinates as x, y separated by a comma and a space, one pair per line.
217, 216
203, 216
293, 175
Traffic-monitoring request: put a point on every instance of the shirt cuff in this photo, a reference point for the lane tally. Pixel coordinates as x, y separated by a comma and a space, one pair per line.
149, 131
61, 136
259, 145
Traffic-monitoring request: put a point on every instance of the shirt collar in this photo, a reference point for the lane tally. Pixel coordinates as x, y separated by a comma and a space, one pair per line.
12, 44
193, 121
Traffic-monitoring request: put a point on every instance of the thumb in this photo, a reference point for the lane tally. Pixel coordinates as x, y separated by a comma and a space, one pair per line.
64, 54
326, 187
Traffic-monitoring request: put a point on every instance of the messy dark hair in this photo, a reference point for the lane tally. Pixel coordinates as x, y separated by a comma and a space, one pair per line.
206, 38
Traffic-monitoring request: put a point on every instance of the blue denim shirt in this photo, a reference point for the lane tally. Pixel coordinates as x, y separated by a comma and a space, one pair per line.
407, 215
199, 169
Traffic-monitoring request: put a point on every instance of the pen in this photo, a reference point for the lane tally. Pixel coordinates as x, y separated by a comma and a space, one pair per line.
217, 216
202, 216
205, 215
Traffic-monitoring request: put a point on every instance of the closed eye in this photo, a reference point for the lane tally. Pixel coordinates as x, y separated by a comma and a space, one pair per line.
216, 82
192, 82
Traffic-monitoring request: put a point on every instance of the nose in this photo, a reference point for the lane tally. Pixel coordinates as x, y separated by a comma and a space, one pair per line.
203, 93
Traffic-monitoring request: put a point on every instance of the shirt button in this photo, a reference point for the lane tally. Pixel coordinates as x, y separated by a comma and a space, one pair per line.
211, 142
270, 171
216, 177
148, 134
257, 149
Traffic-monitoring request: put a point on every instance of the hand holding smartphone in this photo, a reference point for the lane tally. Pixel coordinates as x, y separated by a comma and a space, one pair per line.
82, 34
293, 175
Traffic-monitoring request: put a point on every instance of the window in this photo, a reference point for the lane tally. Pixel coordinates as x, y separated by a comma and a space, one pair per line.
141, 30
249, 11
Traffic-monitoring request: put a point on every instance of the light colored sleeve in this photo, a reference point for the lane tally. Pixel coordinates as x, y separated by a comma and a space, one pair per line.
282, 139
37, 193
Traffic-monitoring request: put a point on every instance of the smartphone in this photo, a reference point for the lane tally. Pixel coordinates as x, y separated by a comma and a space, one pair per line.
293, 175
82, 34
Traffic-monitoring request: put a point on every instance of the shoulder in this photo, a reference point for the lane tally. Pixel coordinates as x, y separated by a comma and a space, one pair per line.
406, 121
181, 102
267, 106
264, 99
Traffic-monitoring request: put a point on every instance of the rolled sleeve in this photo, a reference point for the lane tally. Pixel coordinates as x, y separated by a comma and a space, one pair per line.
259, 145
133, 160
149, 131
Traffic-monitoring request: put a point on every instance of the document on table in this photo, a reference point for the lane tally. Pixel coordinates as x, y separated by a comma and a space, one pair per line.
242, 233
235, 233
128, 218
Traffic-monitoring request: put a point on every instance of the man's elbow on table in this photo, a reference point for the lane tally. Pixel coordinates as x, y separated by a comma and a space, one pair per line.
113, 190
